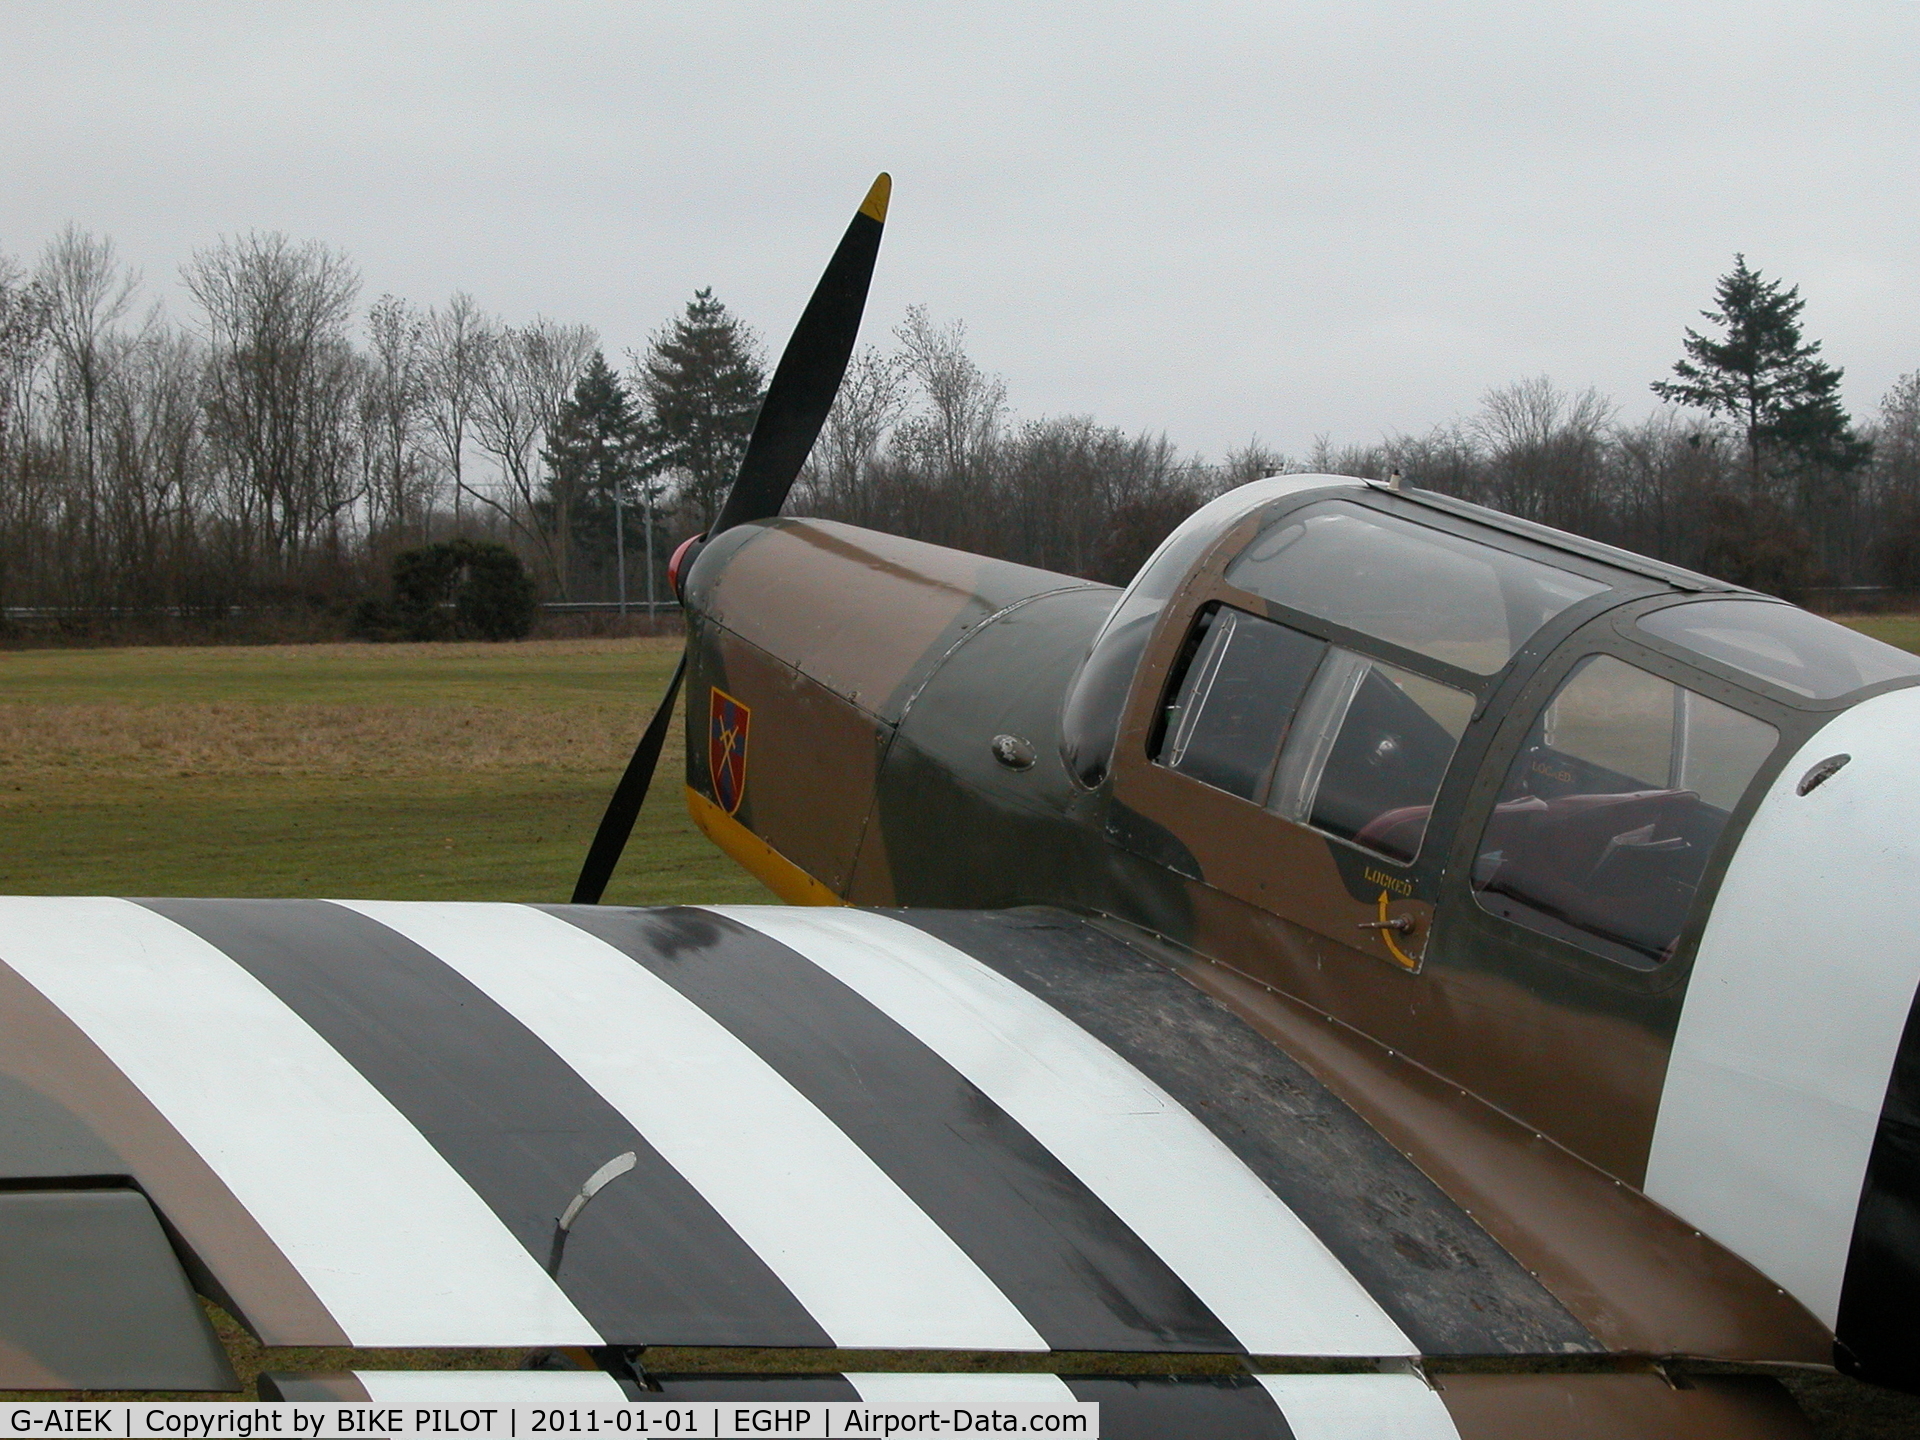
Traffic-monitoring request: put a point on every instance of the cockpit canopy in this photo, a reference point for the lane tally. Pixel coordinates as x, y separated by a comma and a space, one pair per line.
1452, 584
1453, 599
1780, 645
1337, 642
1446, 594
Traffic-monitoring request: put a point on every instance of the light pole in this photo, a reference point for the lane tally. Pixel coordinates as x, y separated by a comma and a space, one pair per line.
620, 544
646, 499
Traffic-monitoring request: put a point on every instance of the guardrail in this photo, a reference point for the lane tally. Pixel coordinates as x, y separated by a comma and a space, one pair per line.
1869, 599
176, 612
608, 607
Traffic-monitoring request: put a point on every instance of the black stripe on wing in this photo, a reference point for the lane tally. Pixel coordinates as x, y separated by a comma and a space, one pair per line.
1078, 1274
650, 1262
1448, 1284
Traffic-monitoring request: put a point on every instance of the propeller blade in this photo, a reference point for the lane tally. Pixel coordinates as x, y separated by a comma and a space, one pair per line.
808, 375
798, 398
628, 796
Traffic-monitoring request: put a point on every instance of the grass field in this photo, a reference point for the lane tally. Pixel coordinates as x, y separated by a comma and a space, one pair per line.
1901, 630
404, 771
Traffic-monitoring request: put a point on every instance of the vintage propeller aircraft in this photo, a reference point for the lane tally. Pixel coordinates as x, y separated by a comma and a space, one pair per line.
1392, 970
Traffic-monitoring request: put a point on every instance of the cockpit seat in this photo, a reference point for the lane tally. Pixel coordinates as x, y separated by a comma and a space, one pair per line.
1396, 831
1622, 865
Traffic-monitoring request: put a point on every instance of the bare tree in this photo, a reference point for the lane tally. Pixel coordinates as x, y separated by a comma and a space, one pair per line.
393, 410
507, 429
457, 344
1896, 440
1084, 498
153, 466
553, 357
1545, 449
529, 374
23, 334
1252, 461
87, 293
1659, 468
1447, 458
962, 406
1893, 510
280, 382
872, 398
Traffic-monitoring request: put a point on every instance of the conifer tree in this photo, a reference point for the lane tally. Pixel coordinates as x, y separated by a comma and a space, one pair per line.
702, 382
1764, 378
592, 455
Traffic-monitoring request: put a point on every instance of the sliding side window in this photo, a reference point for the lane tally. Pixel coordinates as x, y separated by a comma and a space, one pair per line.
1324, 736
1367, 756
1232, 708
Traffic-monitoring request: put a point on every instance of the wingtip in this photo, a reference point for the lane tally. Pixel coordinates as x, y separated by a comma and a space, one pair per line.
874, 207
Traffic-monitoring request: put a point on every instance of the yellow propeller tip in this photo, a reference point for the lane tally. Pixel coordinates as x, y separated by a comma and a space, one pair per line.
874, 207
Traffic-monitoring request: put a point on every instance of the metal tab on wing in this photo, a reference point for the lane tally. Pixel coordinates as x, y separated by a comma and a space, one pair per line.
866, 1262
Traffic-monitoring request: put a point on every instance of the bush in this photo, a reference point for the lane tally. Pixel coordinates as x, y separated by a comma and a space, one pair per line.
374, 618
456, 590
1754, 541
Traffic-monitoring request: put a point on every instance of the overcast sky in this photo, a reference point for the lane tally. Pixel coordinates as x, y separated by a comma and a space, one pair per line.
1212, 220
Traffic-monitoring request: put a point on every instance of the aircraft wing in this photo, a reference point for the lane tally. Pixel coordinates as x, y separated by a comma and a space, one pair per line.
361, 1124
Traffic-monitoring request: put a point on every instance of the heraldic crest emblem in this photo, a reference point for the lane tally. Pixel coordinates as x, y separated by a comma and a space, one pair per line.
727, 721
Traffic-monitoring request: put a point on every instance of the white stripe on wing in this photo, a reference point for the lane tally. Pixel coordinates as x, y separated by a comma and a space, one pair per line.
395, 1244
913, 1387
866, 1261
1234, 1243
1360, 1407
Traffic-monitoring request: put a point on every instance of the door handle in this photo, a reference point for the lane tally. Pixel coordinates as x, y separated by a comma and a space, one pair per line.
1389, 926
1402, 924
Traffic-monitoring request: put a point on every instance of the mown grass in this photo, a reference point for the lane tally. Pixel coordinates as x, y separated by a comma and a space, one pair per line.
1901, 630
404, 772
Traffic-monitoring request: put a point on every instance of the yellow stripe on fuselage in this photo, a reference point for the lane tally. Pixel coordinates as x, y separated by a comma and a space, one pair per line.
755, 856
